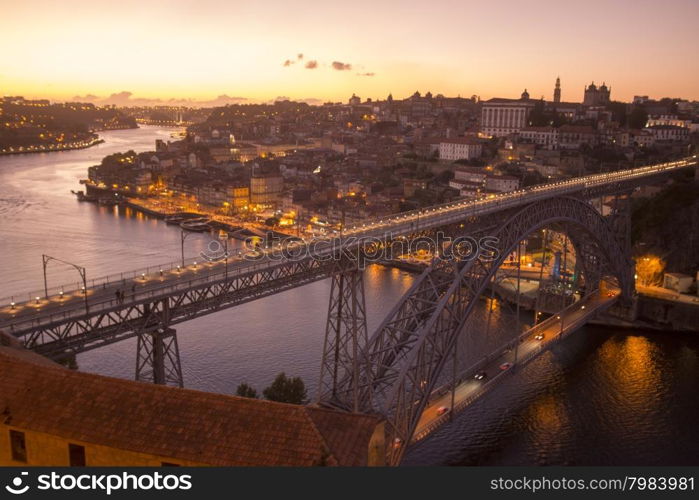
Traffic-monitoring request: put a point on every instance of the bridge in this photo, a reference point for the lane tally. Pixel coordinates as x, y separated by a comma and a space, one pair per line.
398, 371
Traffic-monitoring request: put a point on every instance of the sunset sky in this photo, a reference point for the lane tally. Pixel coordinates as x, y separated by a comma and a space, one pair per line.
203, 49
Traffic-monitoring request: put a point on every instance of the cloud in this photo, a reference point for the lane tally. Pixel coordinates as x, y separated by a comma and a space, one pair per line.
340, 66
366, 74
126, 98
311, 64
85, 98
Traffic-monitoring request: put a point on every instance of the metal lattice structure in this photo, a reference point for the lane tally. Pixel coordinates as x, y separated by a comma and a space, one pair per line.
406, 355
158, 358
345, 338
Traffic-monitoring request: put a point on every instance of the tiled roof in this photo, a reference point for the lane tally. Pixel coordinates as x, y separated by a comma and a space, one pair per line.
177, 423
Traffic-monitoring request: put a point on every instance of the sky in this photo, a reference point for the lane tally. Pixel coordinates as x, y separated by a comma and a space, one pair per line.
255, 51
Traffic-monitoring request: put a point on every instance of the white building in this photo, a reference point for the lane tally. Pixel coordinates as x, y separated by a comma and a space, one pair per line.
502, 183
460, 148
470, 174
501, 117
542, 136
669, 132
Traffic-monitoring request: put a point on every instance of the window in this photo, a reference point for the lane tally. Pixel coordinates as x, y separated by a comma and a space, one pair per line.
76, 455
18, 446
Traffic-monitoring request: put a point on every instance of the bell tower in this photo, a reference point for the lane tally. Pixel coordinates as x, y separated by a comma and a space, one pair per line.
557, 90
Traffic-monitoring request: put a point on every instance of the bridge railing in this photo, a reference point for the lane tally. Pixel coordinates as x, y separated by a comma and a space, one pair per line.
404, 222
185, 282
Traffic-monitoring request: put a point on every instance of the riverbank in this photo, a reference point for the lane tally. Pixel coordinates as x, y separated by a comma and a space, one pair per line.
50, 148
658, 314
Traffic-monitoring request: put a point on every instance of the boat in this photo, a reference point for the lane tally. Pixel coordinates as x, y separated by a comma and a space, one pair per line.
107, 202
197, 226
84, 197
174, 219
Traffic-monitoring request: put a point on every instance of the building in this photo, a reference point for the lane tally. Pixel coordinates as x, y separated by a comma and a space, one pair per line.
410, 186
557, 91
470, 174
501, 183
668, 120
574, 136
460, 148
678, 282
355, 100
53, 416
541, 136
501, 117
669, 133
266, 188
596, 96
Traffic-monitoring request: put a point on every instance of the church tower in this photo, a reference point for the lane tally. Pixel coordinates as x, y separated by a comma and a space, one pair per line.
557, 91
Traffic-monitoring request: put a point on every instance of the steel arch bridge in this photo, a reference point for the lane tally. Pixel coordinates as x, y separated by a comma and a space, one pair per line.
395, 371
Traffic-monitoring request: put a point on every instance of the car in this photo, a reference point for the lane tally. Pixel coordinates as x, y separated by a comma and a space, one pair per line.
505, 366
539, 336
442, 410
480, 375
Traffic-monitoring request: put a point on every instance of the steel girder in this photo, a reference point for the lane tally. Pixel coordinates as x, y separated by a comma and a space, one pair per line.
158, 358
105, 327
345, 338
407, 353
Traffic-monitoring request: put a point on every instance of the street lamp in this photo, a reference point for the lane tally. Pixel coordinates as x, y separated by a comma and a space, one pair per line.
183, 236
45, 259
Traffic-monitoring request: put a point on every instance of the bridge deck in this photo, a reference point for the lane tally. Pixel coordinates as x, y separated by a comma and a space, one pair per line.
470, 389
33, 313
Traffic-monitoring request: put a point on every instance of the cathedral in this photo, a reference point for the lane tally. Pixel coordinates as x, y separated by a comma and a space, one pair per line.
596, 96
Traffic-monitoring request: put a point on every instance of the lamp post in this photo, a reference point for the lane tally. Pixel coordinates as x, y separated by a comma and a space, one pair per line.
183, 236
226, 256
45, 259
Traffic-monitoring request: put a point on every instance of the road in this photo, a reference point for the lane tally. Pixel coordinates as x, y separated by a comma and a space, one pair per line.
471, 389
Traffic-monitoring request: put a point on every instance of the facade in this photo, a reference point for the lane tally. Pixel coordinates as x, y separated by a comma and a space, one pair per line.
574, 136
470, 174
596, 96
460, 148
541, 136
266, 189
669, 133
502, 183
501, 117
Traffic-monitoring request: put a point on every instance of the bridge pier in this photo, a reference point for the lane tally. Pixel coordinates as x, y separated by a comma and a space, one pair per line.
345, 341
158, 357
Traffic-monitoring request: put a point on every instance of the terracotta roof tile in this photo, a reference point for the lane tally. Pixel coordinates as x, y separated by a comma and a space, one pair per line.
179, 423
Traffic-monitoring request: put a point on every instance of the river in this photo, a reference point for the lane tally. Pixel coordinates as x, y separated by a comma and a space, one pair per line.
604, 396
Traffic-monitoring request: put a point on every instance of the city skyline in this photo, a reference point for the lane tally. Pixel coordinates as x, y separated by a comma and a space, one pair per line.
216, 53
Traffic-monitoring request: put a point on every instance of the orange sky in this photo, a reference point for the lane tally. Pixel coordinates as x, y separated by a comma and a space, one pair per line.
202, 49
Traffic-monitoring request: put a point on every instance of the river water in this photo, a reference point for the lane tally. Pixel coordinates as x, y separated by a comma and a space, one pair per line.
604, 396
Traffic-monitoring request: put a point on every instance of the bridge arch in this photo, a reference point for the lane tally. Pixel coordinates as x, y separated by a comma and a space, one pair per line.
406, 355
